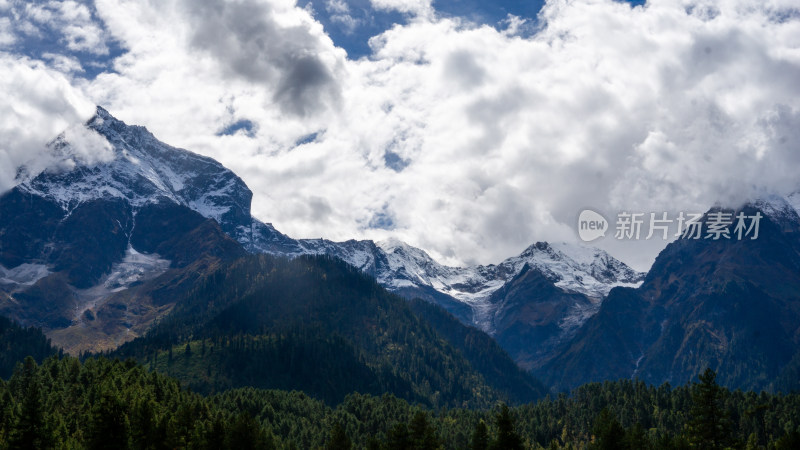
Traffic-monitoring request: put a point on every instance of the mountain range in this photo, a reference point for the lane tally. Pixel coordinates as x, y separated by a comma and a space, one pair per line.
97, 254
147, 178
729, 304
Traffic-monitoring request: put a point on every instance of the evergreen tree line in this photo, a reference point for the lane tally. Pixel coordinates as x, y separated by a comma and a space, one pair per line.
300, 359
17, 342
103, 403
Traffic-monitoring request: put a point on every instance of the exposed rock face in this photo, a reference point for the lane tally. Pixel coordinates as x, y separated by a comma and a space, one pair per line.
732, 305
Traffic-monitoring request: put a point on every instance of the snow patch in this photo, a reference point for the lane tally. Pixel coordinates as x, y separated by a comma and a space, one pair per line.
794, 200
24, 274
134, 268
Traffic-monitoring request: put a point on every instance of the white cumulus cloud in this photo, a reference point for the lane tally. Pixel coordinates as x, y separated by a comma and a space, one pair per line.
418, 7
36, 104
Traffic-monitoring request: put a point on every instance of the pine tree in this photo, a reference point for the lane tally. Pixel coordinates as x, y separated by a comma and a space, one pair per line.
609, 434
752, 442
29, 430
421, 433
635, 437
788, 441
480, 437
110, 427
507, 437
338, 439
215, 435
246, 433
373, 443
709, 427
398, 438
143, 423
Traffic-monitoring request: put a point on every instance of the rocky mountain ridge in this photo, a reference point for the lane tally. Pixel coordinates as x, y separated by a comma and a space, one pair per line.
143, 171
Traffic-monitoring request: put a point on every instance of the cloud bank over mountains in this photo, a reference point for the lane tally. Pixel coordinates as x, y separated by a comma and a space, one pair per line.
470, 141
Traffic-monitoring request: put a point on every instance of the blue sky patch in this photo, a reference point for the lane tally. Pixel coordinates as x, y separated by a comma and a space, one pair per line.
244, 125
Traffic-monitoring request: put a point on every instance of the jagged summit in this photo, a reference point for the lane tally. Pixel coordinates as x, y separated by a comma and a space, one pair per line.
782, 210
572, 267
129, 163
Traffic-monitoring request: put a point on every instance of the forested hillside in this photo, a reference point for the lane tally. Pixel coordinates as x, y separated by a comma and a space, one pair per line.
17, 342
319, 325
104, 403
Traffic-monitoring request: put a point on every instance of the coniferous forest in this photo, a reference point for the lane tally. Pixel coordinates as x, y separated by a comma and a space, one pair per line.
103, 403
309, 353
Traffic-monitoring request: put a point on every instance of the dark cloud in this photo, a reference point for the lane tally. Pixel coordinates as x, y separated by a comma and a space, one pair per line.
318, 209
250, 42
462, 69
306, 87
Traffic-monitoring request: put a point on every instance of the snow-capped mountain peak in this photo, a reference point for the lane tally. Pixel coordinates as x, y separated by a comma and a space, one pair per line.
783, 210
572, 267
110, 159
579, 268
